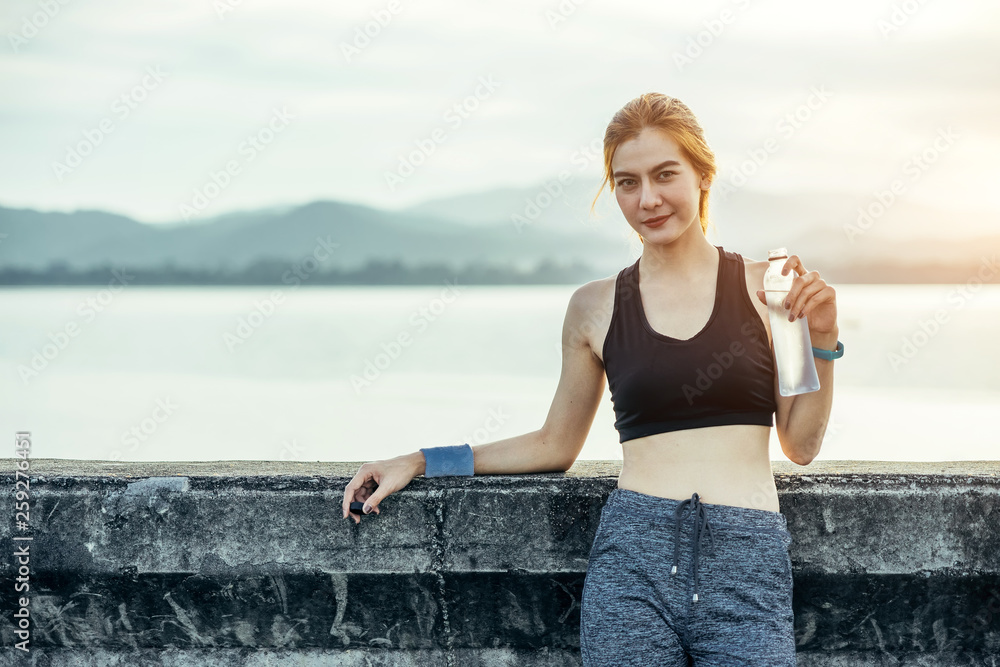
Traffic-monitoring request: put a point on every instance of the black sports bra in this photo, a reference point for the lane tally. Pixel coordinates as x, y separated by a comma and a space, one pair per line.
724, 374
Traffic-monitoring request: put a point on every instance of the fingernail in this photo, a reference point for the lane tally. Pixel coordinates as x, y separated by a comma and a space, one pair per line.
367, 508
787, 304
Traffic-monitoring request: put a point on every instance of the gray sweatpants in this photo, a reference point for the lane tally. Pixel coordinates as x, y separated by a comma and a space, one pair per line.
673, 582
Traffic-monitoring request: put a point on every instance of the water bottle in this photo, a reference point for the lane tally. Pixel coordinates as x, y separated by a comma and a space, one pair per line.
792, 345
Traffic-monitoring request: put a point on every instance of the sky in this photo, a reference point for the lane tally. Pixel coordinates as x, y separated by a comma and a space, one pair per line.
167, 111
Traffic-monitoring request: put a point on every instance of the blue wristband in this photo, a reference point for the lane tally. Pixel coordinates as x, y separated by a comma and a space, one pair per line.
449, 461
829, 354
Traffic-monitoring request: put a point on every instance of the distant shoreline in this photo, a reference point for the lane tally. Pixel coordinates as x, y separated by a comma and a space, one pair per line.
274, 273
389, 273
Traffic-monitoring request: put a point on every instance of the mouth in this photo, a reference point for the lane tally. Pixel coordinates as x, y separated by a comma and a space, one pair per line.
656, 222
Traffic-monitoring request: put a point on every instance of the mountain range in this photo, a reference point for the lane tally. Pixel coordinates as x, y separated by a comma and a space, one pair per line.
518, 228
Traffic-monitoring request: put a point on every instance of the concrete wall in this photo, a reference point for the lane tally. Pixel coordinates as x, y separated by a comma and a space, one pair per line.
251, 563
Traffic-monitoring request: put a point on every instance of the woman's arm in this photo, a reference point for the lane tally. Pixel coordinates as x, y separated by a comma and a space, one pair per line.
555, 446
520, 454
801, 420
552, 448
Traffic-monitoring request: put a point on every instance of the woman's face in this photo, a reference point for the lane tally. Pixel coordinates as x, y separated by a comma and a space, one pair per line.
652, 180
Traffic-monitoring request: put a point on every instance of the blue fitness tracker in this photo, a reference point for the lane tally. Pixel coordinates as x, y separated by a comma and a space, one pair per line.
829, 354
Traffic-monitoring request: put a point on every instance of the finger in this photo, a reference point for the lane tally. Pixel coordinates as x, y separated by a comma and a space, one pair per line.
794, 292
791, 266
806, 296
371, 485
352, 487
345, 504
793, 263
800, 292
760, 295
374, 499
825, 295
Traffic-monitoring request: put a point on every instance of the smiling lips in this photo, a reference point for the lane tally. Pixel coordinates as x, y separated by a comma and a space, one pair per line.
656, 222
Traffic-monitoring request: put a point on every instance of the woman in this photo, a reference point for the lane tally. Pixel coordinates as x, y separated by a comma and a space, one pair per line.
690, 560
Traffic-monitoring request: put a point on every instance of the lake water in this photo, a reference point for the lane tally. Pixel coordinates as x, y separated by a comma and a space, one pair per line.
154, 374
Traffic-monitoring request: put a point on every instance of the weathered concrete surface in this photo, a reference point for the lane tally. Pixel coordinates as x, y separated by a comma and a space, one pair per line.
250, 563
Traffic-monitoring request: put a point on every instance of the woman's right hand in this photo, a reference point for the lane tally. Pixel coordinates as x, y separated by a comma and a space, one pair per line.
374, 481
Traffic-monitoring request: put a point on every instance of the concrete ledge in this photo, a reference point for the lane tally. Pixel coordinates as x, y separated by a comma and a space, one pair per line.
250, 563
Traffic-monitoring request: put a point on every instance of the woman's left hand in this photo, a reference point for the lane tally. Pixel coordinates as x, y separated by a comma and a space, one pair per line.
809, 296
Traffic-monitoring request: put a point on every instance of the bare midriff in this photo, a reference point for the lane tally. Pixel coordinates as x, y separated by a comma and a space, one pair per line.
725, 465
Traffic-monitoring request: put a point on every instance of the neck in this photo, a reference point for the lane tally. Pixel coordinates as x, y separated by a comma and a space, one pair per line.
687, 258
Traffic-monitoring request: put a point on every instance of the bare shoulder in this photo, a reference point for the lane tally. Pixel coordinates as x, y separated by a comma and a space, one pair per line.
755, 270
595, 292
751, 262
588, 316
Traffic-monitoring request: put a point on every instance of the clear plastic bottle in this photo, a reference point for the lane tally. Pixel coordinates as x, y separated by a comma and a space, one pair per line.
792, 345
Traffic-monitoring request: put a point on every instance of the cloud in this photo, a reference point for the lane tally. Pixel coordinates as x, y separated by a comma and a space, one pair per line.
561, 80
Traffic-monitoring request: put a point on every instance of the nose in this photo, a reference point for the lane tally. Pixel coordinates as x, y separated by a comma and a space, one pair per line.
649, 198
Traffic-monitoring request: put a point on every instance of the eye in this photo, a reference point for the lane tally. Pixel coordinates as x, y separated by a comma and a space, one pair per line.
626, 182
667, 172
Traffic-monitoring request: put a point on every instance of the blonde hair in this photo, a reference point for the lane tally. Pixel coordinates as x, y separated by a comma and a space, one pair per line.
669, 114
